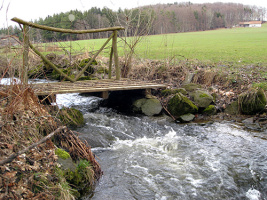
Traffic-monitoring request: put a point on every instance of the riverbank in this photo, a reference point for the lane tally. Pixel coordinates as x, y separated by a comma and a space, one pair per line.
39, 157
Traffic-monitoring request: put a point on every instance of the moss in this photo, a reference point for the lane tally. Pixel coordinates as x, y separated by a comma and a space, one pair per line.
62, 154
179, 105
168, 92
262, 85
65, 190
82, 177
232, 108
202, 98
210, 110
215, 96
204, 95
57, 76
71, 117
90, 69
102, 70
252, 102
191, 87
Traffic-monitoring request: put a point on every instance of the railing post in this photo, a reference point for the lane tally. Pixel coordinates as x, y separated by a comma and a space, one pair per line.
24, 70
116, 58
110, 63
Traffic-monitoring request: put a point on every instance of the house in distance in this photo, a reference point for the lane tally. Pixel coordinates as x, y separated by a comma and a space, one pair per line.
256, 24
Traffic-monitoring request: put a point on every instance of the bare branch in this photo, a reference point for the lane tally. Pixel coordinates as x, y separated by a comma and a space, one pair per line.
13, 156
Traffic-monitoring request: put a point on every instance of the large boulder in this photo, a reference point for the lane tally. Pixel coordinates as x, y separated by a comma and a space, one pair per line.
148, 106
252, 102
190, 87
167, 92
202, 98
179, 105
71, 117
232, 108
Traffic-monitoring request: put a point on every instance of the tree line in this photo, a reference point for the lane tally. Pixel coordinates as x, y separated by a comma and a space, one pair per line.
156, 19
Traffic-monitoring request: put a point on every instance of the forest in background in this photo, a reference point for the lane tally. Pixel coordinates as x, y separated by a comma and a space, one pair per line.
152, 20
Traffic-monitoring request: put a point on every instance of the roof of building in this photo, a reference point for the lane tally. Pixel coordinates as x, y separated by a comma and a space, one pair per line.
251, 22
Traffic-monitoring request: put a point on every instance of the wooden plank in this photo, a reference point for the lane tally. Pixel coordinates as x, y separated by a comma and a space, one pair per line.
90, 86
100, 89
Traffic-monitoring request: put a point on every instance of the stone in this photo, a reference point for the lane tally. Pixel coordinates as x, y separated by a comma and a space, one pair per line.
188, 78
210, 110
249, 123
191, 87
71, 117
179, 105
187, 117
252, 102
149, 107
202, 98
168, 92
232, 108
90, 69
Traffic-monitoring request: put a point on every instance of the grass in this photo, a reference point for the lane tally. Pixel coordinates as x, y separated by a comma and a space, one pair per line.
236, 45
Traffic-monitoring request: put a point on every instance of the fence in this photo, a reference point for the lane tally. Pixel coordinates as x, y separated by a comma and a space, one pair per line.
27, 45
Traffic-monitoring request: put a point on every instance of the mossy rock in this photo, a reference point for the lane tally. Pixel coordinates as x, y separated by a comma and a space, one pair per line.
36, 72
62, 154
232, 109
202, 98
179, 105
191, 87
102, 70
57, 76
210, 110
80, 176
147, 106
186, 118
252, 102
168, 92
71, 117
90, 69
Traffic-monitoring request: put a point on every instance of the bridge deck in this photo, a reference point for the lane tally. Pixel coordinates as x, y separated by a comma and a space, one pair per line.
91, 86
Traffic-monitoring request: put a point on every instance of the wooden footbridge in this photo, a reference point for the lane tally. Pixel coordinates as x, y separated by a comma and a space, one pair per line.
103, 86
99, 88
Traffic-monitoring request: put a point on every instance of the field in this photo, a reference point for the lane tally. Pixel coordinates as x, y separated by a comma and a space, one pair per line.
236, 45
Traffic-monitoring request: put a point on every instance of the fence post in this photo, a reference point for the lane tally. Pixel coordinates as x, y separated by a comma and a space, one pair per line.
116, 58
24, 70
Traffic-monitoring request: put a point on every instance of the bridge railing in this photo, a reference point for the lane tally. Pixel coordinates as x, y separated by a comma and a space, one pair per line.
27, 45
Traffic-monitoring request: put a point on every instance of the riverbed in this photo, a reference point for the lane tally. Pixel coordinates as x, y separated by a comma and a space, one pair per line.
155, 158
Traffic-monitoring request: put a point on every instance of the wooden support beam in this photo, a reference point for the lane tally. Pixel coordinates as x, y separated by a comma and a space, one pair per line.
116, 57
25, 64
105, 95
48, 28
110, 63
50, 63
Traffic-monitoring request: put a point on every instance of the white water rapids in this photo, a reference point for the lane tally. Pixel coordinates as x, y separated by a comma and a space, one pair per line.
154, 158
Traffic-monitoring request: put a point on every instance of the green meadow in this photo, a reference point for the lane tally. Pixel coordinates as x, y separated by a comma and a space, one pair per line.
236, 45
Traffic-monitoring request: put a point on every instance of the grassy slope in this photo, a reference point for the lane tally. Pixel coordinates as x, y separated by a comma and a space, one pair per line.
237, 45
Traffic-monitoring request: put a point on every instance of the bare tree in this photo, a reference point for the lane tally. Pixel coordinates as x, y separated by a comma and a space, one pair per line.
137, 23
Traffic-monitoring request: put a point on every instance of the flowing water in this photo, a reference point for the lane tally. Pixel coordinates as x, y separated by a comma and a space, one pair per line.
154, 158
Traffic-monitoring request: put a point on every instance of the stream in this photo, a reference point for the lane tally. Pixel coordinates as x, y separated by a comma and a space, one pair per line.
146, 158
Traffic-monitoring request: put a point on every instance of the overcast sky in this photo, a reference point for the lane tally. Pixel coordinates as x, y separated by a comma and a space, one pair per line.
35, 9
